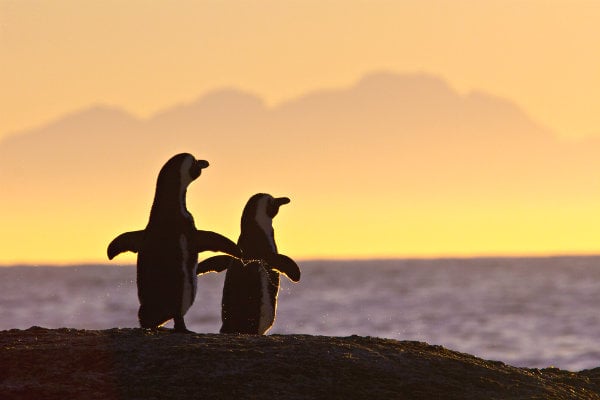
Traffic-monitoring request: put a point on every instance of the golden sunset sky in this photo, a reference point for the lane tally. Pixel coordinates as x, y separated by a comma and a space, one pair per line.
58, 57
62, 55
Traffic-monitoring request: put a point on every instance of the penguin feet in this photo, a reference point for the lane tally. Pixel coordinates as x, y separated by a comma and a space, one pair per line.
180, 326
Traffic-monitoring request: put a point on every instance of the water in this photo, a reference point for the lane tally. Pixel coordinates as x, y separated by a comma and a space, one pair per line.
535, 312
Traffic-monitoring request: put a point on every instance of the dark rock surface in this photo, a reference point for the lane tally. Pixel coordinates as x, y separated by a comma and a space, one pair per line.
40, 363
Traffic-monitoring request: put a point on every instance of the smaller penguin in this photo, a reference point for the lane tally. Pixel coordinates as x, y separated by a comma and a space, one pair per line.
168, 248
251, 286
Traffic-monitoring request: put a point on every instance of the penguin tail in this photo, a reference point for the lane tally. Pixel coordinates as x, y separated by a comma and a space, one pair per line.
151, 317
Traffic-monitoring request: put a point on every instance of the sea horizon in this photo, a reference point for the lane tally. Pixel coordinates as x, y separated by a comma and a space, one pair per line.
524, 256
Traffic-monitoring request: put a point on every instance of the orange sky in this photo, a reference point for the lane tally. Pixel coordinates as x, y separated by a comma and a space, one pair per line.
61, 56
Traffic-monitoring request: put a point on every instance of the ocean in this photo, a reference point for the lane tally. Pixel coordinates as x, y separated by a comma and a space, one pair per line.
527, 312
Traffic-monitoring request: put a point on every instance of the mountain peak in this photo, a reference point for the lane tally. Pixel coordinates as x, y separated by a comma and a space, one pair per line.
420, 81
225, 101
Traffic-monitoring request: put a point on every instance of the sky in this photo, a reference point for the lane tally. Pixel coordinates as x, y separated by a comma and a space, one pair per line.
62, 55
59, 57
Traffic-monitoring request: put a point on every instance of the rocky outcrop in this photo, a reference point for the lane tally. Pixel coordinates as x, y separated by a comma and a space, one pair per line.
40, 363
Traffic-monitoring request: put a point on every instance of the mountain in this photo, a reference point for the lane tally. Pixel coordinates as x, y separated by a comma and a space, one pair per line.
384, 114
369, 153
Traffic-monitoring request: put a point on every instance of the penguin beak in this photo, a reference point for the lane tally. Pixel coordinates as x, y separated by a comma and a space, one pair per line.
273, 208
201, 164
281, 201
197, 167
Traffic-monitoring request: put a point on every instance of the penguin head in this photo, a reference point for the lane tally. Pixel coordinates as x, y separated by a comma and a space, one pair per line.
171, 187
182, 168
261, 209
273, 205
263, 205
259, 213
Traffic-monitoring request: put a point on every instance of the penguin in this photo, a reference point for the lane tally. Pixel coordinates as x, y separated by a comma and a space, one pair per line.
251, 286
167, 250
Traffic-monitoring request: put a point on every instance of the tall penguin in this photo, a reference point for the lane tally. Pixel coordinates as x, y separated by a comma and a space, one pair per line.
168, 248
251, 285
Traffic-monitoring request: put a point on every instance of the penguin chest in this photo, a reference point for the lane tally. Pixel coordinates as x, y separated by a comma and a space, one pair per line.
187, 272
267, 303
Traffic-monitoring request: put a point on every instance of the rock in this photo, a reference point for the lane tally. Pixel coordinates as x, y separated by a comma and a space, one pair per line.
141, 364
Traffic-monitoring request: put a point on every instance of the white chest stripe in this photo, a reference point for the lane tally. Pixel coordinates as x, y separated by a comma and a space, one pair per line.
189, 285
267, 310
184, 180
264, 221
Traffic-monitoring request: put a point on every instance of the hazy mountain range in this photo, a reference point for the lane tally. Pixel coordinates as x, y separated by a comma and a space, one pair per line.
390, 141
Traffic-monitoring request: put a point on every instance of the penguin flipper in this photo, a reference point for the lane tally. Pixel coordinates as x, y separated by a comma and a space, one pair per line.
128, 241
285, 265
216, 264
211, 241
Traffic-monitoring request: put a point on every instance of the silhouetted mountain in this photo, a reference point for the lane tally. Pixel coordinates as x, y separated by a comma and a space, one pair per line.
401, 138
383, 114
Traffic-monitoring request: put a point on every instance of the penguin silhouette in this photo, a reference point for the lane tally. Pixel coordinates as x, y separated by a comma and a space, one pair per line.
168, 248
251, 286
